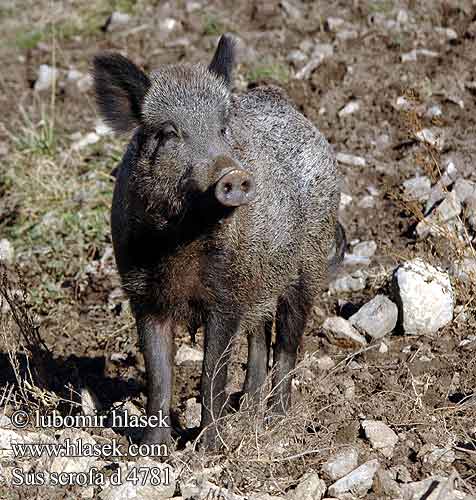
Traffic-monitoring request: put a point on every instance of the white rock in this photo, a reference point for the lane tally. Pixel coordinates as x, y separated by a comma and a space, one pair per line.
296, 57
345, 200
434, 488
325, 363
102, 128
117, 20
427, 53
434, 111
435, 456
437, 194
383, 349
192, 6
424, 297
449, 33
359, 481
347, 35
89, 402
85, 83
449, 175
464, 270
341, 463
348, 283
87, 140
73, 75
7, 252
168, 24
381, 437
74, 464
464, 189
355, 260
367, 201
334, 23
376, 318
402, 16
291, 10
402, 103
353, 160
417, 188
434, 137
193, 412
188, 354
47, 76
365, 248
342, 329
448, 209
310, 487
409, 56
350, 108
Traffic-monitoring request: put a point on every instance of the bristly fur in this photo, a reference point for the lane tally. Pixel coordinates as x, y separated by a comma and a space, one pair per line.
184, 257
224, 59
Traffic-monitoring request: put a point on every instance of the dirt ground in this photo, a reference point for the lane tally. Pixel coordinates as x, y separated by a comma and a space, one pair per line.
56, 195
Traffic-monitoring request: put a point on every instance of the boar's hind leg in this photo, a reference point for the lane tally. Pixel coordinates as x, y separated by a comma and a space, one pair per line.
219, 332
291, 316
157, 340
259, 342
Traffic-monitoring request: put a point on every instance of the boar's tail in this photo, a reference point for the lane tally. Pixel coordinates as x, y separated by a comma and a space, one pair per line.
336, 255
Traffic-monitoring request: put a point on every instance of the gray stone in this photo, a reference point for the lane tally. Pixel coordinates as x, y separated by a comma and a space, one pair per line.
296, 57
367, 201
340, 463
350, 108
334, 23
376, 318
7, 252
186, 354
359, 481
89, 402
365, 248
424, 296
47, 77
431, 136
433, 488
448, 209
348, 283
353, 160
310, 487
417, 188
117, 20
381, 437
341, 329
435, 456
448, 33
437, 194
385, 484
464, 189
325, 363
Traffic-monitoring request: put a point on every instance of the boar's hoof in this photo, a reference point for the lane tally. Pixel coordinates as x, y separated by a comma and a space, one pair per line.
235, 188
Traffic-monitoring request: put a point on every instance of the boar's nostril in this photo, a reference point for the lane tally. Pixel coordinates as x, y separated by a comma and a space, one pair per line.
235, 188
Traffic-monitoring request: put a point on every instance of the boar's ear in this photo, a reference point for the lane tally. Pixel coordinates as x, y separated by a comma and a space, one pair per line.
224, 58
120, 88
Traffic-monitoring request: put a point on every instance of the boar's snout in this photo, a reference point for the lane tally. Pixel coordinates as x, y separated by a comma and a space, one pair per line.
235, 188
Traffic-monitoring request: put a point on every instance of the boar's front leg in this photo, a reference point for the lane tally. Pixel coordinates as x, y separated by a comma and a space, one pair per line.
259, 342
219, 332
156, 335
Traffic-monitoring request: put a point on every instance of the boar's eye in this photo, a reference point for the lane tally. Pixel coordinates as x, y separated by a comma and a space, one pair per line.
168, 131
